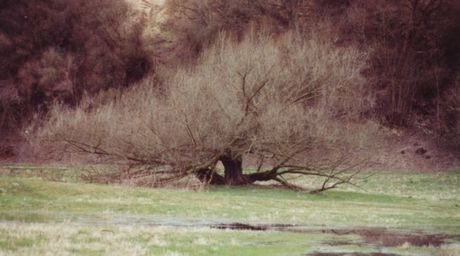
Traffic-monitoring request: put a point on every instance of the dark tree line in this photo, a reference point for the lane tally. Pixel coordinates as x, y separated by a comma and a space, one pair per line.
55, 50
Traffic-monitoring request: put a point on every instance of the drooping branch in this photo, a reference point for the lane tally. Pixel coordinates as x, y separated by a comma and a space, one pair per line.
246, 104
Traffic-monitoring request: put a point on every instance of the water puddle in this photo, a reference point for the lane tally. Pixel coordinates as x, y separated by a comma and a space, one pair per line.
259, 227
389, 238
144, 220
375, 237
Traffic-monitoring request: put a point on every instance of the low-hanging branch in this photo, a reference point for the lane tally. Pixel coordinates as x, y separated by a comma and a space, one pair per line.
274, 101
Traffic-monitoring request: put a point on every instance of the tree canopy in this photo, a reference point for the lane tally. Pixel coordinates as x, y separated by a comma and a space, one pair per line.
292, 104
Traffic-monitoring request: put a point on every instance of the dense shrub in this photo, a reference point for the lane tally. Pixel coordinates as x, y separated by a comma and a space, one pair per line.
56, 50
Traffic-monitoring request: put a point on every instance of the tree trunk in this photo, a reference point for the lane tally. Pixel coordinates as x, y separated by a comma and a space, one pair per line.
233, 173
233, 170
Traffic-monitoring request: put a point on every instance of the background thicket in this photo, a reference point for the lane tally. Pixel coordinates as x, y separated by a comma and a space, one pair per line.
58, 51
414, 47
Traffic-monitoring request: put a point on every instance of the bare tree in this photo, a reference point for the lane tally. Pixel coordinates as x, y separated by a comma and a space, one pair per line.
293, 105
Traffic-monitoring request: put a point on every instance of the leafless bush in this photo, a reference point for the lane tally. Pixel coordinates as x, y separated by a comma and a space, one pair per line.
293, 104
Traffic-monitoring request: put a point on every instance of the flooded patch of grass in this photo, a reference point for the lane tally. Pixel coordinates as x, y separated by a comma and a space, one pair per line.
91, 219
87, 239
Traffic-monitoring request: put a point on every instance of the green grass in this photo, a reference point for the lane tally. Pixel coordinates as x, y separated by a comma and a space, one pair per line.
89, 219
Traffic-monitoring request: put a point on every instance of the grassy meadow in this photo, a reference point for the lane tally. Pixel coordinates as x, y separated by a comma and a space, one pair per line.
50, 211
195, 91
